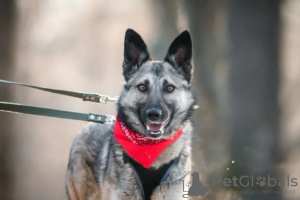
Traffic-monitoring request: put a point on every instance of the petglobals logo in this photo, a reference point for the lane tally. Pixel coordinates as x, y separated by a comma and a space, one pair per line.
194, 186
269, 185
252, 181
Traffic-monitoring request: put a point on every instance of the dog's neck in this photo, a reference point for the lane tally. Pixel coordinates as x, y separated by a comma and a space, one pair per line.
142, 148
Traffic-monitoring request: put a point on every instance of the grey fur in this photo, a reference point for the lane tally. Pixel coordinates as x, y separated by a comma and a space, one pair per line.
96, 168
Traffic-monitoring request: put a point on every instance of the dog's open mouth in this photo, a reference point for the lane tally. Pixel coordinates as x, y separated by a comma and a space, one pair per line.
155, 130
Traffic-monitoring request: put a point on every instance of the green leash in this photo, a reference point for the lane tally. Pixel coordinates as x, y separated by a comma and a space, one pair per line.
97, 98
25, 109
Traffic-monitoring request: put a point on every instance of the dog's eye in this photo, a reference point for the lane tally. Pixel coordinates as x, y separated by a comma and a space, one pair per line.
170, 88
142, 87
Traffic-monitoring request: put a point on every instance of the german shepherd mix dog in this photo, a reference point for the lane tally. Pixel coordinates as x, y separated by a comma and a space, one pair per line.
147, 152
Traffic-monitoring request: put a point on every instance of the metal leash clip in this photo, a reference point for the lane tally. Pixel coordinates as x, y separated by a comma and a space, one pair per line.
110, 119
105, 99
99, 98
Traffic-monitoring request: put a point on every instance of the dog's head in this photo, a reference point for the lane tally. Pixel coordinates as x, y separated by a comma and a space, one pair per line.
157, 97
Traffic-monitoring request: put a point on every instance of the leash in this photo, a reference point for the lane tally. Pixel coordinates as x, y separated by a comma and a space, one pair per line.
92, 97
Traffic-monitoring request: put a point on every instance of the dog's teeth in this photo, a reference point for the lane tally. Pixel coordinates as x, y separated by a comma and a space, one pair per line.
155, 127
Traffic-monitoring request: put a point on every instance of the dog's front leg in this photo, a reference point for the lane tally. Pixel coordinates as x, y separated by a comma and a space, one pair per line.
81, 183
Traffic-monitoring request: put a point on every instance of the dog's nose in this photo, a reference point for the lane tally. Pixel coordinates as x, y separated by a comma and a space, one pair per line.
154, 114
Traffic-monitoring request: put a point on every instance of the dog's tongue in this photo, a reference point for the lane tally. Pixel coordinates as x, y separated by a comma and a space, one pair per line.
154, 127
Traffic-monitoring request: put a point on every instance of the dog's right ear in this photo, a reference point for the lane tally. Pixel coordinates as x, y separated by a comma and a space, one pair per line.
135, 53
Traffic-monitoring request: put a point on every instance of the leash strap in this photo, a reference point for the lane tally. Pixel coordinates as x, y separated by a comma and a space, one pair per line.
19, 108
97, 98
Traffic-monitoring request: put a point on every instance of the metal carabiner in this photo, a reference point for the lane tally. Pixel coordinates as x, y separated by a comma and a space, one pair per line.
110, 119
105, 99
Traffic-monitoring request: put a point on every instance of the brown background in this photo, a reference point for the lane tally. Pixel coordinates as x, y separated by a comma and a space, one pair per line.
78, 45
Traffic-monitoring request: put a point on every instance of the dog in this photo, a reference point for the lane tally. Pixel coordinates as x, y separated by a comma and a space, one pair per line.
148, 150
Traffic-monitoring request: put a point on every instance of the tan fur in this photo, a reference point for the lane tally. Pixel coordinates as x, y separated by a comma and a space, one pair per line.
81, 183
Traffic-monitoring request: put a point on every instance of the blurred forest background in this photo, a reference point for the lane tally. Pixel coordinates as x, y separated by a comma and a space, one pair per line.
247, 76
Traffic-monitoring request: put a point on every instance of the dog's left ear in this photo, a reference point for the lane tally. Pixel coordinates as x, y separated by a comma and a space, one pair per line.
135, 53
180, 55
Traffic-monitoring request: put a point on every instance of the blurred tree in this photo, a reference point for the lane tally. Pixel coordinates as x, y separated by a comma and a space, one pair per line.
207, 21
208, 41
166, 14
239, 104
7, 18
208, 45
253, 83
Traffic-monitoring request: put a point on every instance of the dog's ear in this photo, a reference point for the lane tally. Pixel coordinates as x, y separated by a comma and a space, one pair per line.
135, 53
180, 55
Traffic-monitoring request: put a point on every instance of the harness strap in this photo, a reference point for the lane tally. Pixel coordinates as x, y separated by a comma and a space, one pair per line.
136, 171
97, 98
19, 108
174, 162
138, 180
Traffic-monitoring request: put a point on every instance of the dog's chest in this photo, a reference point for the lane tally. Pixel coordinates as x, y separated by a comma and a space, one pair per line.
149, 179
128, 179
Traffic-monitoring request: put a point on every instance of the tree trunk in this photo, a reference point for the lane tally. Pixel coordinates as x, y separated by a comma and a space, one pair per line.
207, 20
7, 14
253, 83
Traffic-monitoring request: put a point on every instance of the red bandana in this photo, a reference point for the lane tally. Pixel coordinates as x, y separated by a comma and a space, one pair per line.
139, 147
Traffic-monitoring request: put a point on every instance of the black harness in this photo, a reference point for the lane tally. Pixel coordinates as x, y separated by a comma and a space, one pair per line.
149, 179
